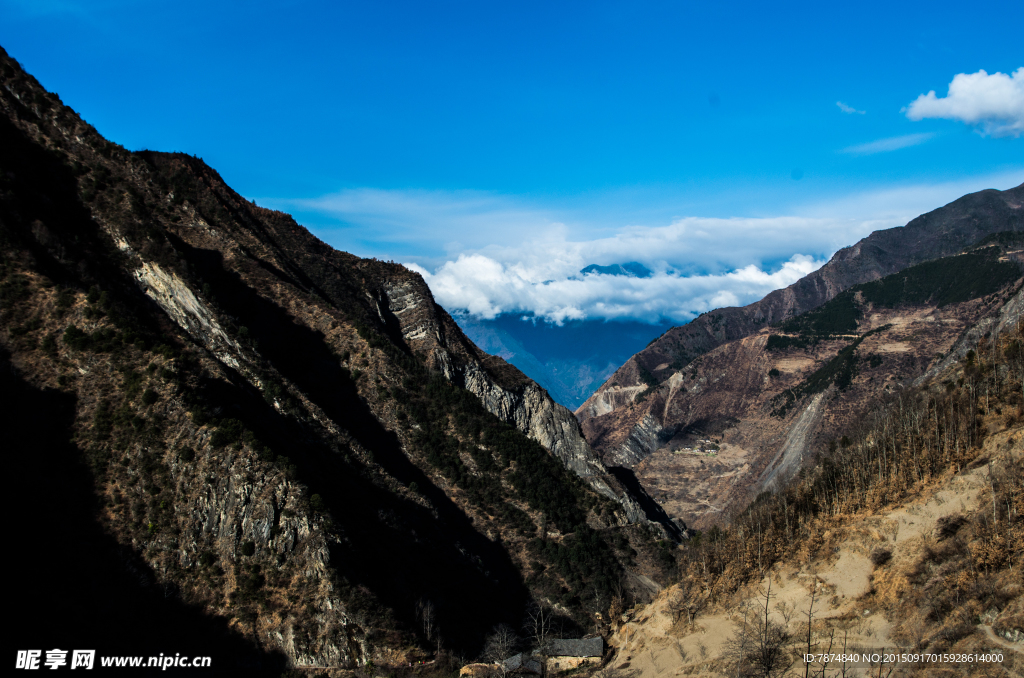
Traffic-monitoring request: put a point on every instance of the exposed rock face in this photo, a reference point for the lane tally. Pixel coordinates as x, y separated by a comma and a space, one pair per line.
240, 507
505, 391
534, 413
642, 440
181, 304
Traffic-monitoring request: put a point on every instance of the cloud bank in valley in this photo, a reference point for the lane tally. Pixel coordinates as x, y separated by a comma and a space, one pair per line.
488, 254
994, 103
697, 264
486, 288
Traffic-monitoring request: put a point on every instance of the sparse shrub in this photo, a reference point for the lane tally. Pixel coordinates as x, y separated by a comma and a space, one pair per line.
132, 383
149, 396
228, 431
779, 342
103, 420
200, 417
947, 526
75, 338
65, 300
880, 556
248, 548
49, 344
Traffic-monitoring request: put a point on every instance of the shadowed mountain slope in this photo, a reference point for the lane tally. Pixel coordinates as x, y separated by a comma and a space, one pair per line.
293, 448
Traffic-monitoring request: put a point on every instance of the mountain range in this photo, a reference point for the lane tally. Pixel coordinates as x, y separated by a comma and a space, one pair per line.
716, 411
227, 438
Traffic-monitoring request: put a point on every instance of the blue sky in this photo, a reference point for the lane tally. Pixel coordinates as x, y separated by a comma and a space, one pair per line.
501, 147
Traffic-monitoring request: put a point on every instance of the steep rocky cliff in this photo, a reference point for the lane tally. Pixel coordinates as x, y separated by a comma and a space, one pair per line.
294, 448
503, 390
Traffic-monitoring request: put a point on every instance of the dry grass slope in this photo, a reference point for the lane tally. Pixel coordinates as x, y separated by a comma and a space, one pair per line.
909, 538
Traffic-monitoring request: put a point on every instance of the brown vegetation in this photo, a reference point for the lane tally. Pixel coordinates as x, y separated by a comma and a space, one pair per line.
902, 447
953, 586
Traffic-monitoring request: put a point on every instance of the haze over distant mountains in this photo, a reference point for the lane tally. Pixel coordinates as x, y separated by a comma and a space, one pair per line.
570, 360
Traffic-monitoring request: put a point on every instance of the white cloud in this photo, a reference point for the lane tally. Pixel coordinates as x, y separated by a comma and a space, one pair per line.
486, 288
848, 109
995, 103
698, 264
487, 253
889, 144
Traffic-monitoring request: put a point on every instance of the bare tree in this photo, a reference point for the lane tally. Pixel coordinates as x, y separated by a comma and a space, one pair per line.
676, 606
539, 625
428, 616
500, 645
810, 626
759, 646
810, 645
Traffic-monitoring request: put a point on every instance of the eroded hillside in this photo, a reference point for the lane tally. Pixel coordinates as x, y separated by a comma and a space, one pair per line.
746, 415
906, 541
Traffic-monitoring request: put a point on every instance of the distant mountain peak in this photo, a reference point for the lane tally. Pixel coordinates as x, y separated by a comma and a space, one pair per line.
632, 269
